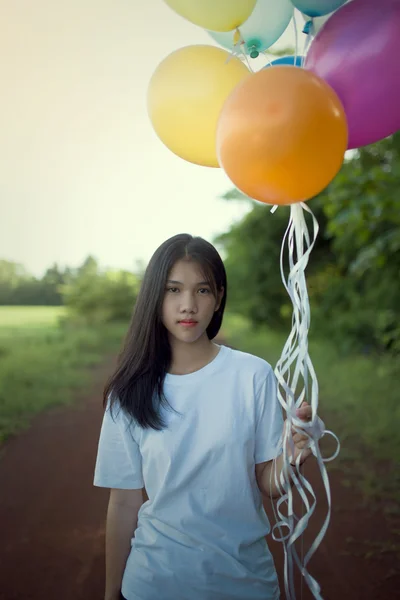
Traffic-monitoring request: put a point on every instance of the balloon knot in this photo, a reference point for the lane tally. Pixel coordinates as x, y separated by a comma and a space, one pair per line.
254, 53
308, 26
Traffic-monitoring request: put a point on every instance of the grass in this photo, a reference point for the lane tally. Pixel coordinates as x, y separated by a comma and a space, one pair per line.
32, 317
358, 401
43, 363
18, 322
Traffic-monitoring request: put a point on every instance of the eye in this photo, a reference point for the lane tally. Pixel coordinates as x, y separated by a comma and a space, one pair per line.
173, 290
204, 291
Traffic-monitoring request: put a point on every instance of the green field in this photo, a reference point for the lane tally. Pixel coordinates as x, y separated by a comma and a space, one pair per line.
28, 321
44, 363
31, 317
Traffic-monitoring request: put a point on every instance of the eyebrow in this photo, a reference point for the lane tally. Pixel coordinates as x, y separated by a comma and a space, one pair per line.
180, 282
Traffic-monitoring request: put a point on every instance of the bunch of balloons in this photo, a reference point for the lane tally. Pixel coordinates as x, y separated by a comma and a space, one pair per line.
279, 133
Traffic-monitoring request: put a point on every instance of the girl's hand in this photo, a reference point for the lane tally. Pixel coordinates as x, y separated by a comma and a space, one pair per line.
301, 440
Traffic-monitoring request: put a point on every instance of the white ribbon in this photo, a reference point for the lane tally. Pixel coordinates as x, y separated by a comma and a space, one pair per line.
309, 31
297, 382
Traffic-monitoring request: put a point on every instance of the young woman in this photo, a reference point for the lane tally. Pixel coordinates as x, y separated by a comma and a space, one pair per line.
196, 425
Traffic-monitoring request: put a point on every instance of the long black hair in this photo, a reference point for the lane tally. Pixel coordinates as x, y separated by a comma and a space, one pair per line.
137, 383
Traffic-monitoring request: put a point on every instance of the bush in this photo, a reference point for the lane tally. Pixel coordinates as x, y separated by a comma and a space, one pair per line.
100, 297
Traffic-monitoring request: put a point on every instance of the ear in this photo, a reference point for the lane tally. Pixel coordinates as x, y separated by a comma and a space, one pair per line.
219, 298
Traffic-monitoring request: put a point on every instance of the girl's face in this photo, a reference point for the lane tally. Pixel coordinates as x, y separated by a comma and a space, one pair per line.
189, 303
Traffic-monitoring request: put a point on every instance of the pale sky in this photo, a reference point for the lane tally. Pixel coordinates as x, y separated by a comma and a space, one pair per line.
81, 169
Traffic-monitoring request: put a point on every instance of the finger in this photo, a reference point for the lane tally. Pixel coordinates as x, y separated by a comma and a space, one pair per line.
299, 431
304, 409
304, 454
302, 444
296, 434
304, 413
303, 405
298, 437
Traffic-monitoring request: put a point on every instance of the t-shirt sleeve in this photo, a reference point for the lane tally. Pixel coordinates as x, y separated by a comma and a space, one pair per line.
119, 462
269, 421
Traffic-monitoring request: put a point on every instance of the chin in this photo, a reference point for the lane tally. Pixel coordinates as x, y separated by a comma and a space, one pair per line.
187, 337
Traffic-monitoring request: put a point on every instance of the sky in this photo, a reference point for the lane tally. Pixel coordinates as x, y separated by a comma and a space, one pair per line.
81, 169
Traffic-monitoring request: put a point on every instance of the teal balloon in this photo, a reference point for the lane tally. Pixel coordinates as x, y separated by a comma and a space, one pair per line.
317, 8
286, 60
263, 28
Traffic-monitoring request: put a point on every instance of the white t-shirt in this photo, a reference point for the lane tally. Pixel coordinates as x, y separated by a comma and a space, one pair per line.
201, 534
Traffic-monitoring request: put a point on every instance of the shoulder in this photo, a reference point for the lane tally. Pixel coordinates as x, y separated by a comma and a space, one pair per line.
251, 365
116, 416
250, 362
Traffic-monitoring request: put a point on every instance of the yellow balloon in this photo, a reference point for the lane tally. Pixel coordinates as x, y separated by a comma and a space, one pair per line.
216, 15
185, 97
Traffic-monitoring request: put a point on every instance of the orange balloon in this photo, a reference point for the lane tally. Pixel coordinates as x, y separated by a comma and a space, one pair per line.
282, 134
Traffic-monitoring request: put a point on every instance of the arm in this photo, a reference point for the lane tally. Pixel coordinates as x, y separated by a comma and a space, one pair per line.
267, 472
265, 476
122, 515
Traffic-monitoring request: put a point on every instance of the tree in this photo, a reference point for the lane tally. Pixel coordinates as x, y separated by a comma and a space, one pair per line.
18, 287
98, 296
252, 249
362, 206
354, 268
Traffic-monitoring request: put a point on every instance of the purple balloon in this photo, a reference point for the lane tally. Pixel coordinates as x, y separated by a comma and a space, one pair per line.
358, 53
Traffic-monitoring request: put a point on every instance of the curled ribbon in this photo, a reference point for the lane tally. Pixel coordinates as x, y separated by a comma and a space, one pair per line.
297, 382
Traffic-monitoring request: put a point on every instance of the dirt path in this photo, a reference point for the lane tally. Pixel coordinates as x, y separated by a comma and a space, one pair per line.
52, 519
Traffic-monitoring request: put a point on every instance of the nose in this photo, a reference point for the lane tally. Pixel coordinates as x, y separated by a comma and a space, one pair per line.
188, 303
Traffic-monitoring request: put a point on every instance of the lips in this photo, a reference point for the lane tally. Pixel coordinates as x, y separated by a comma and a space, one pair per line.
188, 323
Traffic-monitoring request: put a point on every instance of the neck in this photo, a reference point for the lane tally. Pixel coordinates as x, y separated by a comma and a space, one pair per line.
188, 358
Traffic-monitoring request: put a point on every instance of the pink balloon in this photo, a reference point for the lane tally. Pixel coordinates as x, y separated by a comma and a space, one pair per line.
358, 53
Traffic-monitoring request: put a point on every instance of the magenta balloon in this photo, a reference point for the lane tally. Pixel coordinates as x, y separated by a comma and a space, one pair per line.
358, 53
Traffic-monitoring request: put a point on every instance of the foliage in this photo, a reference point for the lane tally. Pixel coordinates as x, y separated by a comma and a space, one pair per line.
362, 207
89, 293
94, 295
252, 249
19, 288
354, 268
